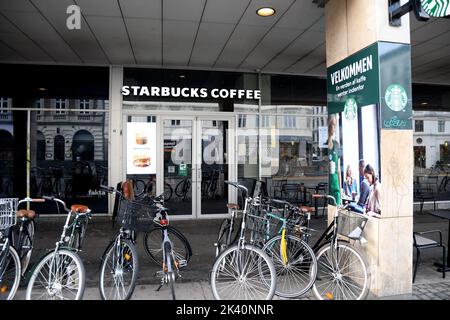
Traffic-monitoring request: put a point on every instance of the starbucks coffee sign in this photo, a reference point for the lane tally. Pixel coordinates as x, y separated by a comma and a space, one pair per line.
436, 8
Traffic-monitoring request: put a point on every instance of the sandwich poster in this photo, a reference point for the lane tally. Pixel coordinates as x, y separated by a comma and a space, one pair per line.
141, 148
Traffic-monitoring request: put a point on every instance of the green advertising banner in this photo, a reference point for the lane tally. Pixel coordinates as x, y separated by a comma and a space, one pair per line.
355, 78
379, 74
395, 85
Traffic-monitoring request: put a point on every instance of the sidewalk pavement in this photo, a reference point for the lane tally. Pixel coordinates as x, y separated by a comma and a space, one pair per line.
194, 284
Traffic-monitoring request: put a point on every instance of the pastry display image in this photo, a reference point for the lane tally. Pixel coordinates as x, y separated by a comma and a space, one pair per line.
141, 138
141, 160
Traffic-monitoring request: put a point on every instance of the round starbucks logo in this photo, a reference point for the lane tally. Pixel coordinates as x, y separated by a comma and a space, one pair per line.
350, 109
396, 97
436, 8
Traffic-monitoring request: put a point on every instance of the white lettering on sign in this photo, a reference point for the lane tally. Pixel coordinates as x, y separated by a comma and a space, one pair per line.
74, 19
176, 92
352, 70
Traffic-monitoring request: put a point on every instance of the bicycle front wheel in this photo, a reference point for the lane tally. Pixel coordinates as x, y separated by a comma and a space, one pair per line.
296, 275
169, 265
119, 270
244, 273
10, 272
180, 245
342, 274
60, 275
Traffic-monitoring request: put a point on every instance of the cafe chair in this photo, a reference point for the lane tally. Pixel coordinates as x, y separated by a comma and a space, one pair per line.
421, 242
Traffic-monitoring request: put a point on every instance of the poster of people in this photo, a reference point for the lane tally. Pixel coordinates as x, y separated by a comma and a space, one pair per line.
141, 148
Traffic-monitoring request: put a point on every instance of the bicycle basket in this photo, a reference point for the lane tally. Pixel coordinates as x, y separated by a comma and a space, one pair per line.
135, 214
8, 209
351, 224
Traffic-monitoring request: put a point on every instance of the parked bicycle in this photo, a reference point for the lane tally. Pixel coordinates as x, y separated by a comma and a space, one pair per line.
120, 264
243, 271
343, 272
60, 274
17, 243
171, 260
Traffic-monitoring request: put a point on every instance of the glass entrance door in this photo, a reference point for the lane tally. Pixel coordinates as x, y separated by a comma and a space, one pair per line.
196, 164
177, 158
213, 166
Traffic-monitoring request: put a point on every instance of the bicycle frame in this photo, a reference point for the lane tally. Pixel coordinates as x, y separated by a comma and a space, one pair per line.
3, 255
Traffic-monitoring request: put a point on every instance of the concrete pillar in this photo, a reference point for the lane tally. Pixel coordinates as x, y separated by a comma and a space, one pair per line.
115, 156
352, 25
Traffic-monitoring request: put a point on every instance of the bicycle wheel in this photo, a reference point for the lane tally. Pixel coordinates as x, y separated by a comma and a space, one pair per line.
170, 267
60, 275
245, 273
180, 245
25, 245
297, 276
342, 274
10, 272
221, 243
167, 192
119, 270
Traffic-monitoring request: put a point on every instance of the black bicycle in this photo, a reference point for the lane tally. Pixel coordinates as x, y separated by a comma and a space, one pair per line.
16, 243
120, 264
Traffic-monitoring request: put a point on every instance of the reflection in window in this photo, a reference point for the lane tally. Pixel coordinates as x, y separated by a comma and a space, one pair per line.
83, 146
59, 148
40, 146
84, 106
60, 106
3, 105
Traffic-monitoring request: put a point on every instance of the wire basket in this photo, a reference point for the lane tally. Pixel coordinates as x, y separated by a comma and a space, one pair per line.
8, 215
351, 224
135, 214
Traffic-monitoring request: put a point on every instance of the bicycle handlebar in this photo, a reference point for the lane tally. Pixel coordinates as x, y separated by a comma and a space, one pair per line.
51, 198
237, 185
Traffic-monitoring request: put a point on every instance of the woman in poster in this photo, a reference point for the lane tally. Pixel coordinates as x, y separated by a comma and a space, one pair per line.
334, 154
374, 201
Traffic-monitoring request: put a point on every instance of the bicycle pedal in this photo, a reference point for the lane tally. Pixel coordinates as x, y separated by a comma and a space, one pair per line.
182, 263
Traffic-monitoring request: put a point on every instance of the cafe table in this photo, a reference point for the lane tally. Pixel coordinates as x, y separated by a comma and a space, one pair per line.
444, 214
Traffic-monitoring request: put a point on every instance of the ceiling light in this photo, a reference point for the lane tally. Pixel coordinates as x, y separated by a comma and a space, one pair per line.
42, 89
182, 76
265, 12
424, 103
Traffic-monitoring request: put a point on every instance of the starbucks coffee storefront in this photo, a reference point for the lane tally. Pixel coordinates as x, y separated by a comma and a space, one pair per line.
184, 133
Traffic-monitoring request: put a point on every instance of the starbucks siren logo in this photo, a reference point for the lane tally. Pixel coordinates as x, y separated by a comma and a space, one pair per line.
436, 8
396, 98
350, 109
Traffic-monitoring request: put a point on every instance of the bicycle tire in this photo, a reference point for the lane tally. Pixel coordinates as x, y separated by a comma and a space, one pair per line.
221, 243
168, 191
76, 264
25, 243
327, 269
298, 276
256, 261
15, 271
152, 244
170, 265
109, 251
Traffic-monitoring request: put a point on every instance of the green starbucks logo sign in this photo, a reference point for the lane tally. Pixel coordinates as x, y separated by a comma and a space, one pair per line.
396, 97
436, 8
350, 109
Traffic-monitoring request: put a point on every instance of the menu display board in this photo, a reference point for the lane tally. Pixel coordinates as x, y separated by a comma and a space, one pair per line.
141, 148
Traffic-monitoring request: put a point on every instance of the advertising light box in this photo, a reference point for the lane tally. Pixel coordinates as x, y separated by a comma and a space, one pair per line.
141, 148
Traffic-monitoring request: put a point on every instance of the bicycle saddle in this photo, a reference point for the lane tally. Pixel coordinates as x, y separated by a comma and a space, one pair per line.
79, 208
26, 214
